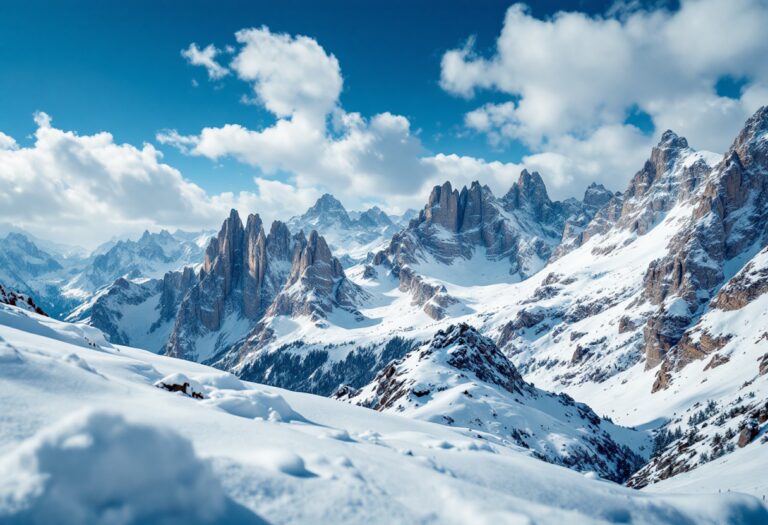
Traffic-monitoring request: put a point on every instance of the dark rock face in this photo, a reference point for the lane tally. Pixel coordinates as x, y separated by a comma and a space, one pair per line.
747, 285
242, 272
626, 325
316, 283
473, 215
530, 194
174, 287
662, 182
520, 229
20, 300
581, 225
730, 209
748, 433
433, 298
763, 365
248, 274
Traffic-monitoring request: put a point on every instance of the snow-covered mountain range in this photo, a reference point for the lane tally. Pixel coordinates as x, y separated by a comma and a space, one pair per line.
646, 306
64, 280
461, 379
172, 441
351, 236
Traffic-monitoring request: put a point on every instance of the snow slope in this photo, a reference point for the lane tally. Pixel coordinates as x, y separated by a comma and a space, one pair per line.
312, 460
461, 379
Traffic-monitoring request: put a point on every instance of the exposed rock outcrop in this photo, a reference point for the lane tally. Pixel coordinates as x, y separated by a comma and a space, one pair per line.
461, 378
316, 283
730, 210
581, 224
516, 232
243, 271
20, 300
747, 285
248, 276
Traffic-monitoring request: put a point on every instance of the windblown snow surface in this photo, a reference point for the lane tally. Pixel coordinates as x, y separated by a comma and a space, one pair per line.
96, 433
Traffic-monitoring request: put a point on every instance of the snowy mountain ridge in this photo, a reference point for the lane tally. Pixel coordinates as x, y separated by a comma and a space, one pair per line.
351, 239
647, 304
238, 452
461, 379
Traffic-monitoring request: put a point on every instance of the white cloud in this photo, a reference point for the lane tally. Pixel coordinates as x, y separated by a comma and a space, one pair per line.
313, 139
205, 57
289, 74
83, 189
7, 142
463, 170
610, 155
572, 77
362, 158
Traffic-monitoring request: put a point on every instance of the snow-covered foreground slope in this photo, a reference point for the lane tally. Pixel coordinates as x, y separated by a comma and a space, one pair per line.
261, 453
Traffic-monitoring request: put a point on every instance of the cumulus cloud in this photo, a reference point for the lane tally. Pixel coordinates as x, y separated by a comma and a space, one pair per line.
610, 153
315, 140
289, 74
573, 77
7, 142
206, 58
83, 189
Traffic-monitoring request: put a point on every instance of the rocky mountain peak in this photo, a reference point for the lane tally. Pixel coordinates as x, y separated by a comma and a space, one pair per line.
530, 193
531, 184
22, 257
457, 211
471, 352
316, 283
730, 212
443, 207
279, 241
458, 353
597, 196
313, 253
243, 270
461, 378
328, 202
327, 209
223, 256
751, 145
671, 140
374, 217
664, 155
21, 243
253, 223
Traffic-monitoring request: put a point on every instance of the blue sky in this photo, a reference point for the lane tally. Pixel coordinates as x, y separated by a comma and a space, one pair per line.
116, 66
572, 100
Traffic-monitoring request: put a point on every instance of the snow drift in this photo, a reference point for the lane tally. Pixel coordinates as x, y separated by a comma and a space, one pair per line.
98, 468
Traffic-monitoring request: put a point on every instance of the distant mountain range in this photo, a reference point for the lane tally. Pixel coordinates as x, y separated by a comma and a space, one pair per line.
647, 304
